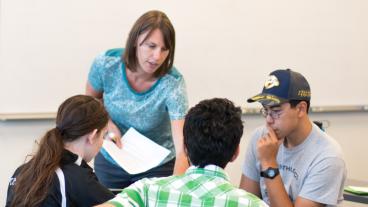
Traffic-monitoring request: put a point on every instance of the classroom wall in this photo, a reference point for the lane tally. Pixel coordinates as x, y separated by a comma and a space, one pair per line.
17, 139
222, 47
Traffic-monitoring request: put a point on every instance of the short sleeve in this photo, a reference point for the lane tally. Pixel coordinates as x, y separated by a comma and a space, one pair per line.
325, 181
95, 73
131, 196
177, 100
250, 168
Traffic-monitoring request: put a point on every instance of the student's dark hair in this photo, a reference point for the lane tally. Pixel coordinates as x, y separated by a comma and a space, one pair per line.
293, 104
212, 132
77, 116
148, 22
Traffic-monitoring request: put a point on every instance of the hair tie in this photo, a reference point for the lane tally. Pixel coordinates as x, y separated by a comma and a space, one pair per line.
59, 130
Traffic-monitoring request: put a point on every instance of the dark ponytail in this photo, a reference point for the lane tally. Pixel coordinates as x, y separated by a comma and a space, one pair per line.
77, 116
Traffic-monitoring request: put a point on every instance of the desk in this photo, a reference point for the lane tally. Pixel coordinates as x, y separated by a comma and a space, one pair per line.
353, 197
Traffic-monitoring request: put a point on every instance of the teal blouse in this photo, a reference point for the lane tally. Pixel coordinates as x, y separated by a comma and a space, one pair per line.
149, 112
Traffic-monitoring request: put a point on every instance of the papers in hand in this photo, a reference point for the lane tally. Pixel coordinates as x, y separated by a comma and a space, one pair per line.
138, 154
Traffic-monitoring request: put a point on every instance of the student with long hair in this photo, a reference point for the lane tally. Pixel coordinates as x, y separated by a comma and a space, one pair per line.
58, 174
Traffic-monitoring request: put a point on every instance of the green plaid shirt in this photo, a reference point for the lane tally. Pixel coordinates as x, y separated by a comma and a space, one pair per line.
205, 187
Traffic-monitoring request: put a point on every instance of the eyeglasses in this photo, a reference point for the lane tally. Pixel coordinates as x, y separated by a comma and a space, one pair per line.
275, 114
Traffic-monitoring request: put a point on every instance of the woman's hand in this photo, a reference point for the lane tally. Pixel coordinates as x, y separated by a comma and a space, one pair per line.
114, 133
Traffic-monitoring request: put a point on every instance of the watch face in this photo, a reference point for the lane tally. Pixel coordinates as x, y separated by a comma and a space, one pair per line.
271, 173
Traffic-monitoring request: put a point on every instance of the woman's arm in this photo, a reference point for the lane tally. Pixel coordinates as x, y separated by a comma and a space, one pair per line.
111, 127
181, 162
92, 92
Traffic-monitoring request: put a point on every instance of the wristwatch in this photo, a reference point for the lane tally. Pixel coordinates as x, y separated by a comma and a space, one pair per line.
270, 173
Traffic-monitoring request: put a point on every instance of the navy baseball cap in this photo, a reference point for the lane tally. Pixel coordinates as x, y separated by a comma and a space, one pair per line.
282, 86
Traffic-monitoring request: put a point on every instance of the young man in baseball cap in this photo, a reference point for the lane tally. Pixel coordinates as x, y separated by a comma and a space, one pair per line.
290, 161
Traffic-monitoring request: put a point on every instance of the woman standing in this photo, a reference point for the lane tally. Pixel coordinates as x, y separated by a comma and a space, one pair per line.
58, 174
140, 88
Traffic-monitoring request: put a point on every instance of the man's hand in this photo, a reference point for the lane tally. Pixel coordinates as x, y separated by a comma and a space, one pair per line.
267, 148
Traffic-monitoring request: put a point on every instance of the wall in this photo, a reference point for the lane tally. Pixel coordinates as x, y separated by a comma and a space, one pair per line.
224, 48
349, 129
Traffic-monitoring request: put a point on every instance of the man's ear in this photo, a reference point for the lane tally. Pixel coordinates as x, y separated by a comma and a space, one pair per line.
236, 154
186, 155
91, 137
302, 108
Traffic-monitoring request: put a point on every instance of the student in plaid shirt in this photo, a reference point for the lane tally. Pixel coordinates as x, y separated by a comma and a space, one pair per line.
212, 132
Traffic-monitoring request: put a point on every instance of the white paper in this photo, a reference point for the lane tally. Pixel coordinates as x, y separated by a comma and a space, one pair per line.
138, 154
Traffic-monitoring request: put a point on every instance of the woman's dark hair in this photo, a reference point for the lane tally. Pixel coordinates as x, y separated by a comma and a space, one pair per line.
212, 132
148, 22
77, 116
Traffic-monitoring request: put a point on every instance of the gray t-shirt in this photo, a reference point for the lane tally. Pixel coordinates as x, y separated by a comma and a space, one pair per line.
315, 169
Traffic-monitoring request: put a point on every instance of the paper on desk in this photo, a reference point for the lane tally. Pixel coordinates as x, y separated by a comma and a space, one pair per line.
357, 190
138, 154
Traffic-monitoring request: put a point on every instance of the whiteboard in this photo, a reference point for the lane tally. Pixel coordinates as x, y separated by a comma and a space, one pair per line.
224, 48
